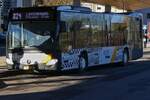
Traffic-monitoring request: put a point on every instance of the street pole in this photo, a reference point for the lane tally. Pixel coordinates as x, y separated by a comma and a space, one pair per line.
107, 6
76, 2
123, 4
1, 6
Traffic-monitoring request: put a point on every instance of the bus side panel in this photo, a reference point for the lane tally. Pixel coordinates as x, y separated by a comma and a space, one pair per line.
94, 56
111, 55
105, 55
70, 60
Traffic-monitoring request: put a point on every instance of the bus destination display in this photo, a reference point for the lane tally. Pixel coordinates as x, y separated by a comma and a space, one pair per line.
33, 16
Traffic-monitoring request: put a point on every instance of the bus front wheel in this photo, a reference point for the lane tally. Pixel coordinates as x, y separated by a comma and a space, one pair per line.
82, 63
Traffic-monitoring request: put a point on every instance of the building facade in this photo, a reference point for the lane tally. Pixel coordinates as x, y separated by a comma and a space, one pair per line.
146, 15
146, 20
7, 4
101, 8
146, 25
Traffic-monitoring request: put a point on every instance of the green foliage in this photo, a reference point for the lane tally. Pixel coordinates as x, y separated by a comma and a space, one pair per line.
52, 2
60, 2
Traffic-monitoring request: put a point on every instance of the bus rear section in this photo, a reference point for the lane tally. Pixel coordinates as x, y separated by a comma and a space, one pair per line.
135, 37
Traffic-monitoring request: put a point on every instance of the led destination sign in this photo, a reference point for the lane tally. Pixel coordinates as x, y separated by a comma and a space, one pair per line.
33, 15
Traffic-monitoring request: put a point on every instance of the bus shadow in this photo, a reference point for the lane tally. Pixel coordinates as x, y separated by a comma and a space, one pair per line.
147, 52
12, 75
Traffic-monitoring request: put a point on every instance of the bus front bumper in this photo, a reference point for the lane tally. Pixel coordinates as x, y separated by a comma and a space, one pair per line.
50, 66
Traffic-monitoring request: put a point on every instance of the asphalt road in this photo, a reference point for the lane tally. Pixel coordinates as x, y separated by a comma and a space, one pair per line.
109, 82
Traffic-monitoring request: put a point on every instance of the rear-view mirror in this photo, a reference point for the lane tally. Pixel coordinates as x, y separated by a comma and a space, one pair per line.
4, 27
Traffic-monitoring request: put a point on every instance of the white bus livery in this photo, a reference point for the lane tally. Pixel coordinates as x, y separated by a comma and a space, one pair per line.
66, 37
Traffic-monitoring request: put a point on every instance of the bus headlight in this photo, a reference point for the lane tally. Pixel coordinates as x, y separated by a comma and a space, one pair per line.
52, 62
47, 59
9, 62
26, 67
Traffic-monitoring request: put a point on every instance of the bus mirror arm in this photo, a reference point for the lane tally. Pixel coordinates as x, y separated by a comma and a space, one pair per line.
63, 27
71, 53
4, 27
70, 50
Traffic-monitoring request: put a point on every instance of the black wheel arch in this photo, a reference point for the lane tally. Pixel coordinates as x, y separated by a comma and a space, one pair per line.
84, 54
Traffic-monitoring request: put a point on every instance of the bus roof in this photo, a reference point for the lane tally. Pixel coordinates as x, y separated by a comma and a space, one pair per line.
59, 8
67, 8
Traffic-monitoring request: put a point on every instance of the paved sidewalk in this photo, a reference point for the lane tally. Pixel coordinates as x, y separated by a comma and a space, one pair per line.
147, 49
2, 61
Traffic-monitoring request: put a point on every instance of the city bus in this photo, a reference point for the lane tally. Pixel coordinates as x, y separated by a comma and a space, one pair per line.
63, 38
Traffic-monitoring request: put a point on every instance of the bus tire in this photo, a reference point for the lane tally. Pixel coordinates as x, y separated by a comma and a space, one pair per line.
125, 57
83, 62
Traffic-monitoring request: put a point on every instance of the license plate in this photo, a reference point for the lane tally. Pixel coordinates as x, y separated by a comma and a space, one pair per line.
26, 67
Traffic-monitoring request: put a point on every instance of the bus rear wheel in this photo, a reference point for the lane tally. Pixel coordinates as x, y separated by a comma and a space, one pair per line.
125, 58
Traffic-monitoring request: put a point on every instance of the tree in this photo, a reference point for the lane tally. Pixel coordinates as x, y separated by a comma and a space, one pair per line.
56, 2
59, 2
52, 2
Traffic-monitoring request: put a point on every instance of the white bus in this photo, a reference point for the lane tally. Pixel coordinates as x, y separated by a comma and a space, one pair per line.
66, 37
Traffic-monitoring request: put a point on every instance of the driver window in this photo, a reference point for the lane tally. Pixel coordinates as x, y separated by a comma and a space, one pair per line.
65, 38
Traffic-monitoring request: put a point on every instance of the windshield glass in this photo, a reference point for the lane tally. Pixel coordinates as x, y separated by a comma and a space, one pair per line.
31, 34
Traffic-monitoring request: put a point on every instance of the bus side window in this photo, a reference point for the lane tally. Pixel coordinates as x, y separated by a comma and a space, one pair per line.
65, 37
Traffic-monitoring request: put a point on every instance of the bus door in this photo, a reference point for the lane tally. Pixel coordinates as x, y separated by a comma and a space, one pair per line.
107, 49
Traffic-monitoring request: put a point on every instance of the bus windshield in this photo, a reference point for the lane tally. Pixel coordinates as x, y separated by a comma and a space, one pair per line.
31, 33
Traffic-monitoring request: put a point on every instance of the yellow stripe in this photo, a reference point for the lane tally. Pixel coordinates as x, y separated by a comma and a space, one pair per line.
114, 55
